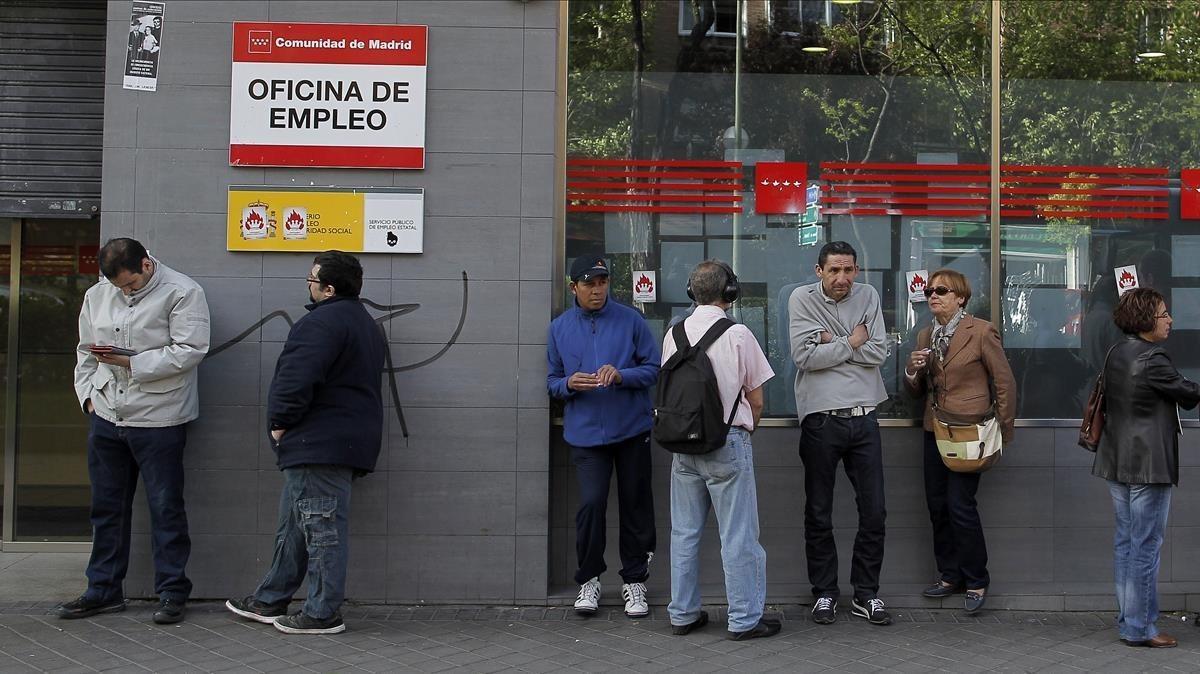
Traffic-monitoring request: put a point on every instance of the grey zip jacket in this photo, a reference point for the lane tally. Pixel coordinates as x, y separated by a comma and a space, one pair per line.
167, 324
833, 375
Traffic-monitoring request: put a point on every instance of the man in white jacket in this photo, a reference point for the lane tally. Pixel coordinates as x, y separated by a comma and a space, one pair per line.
142, 332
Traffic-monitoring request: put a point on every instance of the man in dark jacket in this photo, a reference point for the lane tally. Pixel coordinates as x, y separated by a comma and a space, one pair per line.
326, 418
603, 361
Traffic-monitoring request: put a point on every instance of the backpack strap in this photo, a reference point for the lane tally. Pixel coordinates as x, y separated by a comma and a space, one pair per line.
712, 335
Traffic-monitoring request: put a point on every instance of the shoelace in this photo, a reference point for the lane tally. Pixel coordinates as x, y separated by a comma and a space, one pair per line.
823, 604
589, 592
875, 605
637, 593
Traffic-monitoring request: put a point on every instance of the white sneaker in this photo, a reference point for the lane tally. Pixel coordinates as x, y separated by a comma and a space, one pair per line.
635, 600
589, 597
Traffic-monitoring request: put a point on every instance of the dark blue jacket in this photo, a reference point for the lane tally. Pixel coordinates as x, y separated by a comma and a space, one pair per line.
584, 341
327, 388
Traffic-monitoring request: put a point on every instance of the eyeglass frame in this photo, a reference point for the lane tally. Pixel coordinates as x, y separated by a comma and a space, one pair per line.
940, 291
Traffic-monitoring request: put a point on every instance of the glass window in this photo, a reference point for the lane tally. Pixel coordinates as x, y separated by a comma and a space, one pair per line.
675, 154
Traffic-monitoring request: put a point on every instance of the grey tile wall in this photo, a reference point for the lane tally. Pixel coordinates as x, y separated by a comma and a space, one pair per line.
459, 510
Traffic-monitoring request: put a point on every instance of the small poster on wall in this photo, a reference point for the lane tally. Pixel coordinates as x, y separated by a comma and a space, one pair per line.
916, 281
1127, 278
145, 44
645, 286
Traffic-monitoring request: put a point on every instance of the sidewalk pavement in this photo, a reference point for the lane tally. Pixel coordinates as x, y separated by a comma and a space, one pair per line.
436, 639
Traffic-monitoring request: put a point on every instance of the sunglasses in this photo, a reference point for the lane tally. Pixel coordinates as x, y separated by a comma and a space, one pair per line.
939, 291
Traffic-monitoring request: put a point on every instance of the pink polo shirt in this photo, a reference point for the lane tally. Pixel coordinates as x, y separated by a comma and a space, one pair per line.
737, 360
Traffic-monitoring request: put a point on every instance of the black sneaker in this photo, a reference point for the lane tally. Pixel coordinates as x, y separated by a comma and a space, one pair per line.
170, 611
764, 628
940, 589
86, 608
681, 630
872, 610
824, 611
255, 610
299, 623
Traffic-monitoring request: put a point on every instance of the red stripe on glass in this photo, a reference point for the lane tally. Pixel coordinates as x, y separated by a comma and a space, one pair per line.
327, 156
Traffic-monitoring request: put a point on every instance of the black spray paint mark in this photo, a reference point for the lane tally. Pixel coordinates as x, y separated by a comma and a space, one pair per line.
390, 369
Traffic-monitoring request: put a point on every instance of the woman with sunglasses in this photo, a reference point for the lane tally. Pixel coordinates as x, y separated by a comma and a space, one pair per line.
1139, 456
959, 362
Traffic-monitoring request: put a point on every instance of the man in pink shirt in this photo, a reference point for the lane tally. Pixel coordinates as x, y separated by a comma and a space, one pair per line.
723, 478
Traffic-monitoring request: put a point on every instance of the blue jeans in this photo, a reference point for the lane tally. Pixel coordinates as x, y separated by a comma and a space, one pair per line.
116, 455
724, 479
314, 536
1141, 518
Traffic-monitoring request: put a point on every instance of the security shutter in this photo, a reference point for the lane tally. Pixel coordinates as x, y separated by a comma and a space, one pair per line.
51, 107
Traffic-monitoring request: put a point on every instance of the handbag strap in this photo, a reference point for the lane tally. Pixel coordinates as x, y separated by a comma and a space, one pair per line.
1104, 367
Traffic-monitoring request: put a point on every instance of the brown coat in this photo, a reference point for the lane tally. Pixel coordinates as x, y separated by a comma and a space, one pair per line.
975, 369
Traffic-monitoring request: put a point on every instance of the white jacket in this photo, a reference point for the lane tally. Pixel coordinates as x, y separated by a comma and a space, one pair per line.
167, 324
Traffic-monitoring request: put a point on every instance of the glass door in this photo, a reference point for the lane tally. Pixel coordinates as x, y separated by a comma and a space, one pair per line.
51, 490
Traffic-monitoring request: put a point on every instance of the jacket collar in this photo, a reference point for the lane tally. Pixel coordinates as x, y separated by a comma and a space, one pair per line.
599, 312
155, 281
331, 300
956, 345
820, 290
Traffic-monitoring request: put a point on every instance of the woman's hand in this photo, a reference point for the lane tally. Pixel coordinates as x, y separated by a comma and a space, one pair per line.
917, 360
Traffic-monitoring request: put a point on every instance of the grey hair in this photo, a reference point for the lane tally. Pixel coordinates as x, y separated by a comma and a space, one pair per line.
707, 281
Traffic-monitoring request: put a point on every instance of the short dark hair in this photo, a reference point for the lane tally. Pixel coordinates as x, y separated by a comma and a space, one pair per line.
121, 254
340, 270
835, 248
708, 280
1137, 311
955, 280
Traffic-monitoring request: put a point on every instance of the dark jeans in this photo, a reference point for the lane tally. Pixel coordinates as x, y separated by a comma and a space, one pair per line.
824, 440
313, 536
116, 455
958, 545
594, 468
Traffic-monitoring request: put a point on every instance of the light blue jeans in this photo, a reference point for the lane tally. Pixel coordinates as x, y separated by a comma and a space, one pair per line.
1141, 519
724, 480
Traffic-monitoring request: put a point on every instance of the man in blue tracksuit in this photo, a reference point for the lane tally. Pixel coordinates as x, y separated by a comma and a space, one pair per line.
603, 361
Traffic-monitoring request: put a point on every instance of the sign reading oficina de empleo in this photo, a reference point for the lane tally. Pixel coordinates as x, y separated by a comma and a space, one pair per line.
313, 219
328, 95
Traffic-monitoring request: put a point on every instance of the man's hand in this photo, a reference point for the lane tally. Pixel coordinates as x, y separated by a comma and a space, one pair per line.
826, 337
859, 336
277, 434
582, 381
111, 359
608, 375
88, 407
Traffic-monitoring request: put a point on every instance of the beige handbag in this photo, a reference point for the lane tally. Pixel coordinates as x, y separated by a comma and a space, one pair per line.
968, 448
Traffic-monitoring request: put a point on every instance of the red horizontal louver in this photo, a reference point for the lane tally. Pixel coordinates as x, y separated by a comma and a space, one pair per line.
653, 186
962, 190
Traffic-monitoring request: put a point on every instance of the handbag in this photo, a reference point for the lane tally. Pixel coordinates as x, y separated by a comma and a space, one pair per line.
1093, 411
966, 446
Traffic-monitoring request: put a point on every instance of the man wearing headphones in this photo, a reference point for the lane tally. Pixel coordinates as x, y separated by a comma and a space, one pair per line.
602, 362
722, 478
838, 344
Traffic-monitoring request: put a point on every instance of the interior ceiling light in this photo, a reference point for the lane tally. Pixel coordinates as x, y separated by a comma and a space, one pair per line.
1151, 54
815, 49
846, 2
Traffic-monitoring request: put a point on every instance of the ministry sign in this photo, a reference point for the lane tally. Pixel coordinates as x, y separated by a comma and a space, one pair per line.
328, 95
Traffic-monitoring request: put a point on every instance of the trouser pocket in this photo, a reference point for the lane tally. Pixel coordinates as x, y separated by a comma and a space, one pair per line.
317, 518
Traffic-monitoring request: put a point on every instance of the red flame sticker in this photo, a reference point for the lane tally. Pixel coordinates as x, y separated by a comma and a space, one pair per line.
1126, 277
917, 284
644, 286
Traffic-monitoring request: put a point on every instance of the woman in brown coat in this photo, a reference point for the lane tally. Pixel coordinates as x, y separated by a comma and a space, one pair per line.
962, 358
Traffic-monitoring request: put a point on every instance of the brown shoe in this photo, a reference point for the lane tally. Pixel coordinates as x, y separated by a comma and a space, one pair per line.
1160, 641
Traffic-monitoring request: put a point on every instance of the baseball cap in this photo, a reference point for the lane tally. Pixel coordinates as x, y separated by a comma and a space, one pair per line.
586, 268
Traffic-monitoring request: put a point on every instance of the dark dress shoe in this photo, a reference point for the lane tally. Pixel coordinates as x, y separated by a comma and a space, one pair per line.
83, 607
764, 628
940, 589
170, 611
974, 601
681, 630
1160, 641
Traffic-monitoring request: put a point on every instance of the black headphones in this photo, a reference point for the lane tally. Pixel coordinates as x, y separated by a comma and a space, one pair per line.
732, 290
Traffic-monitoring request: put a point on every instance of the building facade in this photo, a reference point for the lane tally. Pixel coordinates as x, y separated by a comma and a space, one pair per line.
650, 133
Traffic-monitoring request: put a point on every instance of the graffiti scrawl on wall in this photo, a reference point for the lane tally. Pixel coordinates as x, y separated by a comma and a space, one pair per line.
390, 311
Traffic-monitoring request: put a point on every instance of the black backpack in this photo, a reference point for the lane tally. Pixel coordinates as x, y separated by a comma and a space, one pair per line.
688, 415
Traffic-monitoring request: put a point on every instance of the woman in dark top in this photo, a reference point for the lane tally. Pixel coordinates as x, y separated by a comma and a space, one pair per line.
1139, 456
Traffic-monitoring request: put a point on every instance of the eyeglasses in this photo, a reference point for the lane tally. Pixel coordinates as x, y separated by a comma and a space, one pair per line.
1165, 314
312, 280
939, 291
